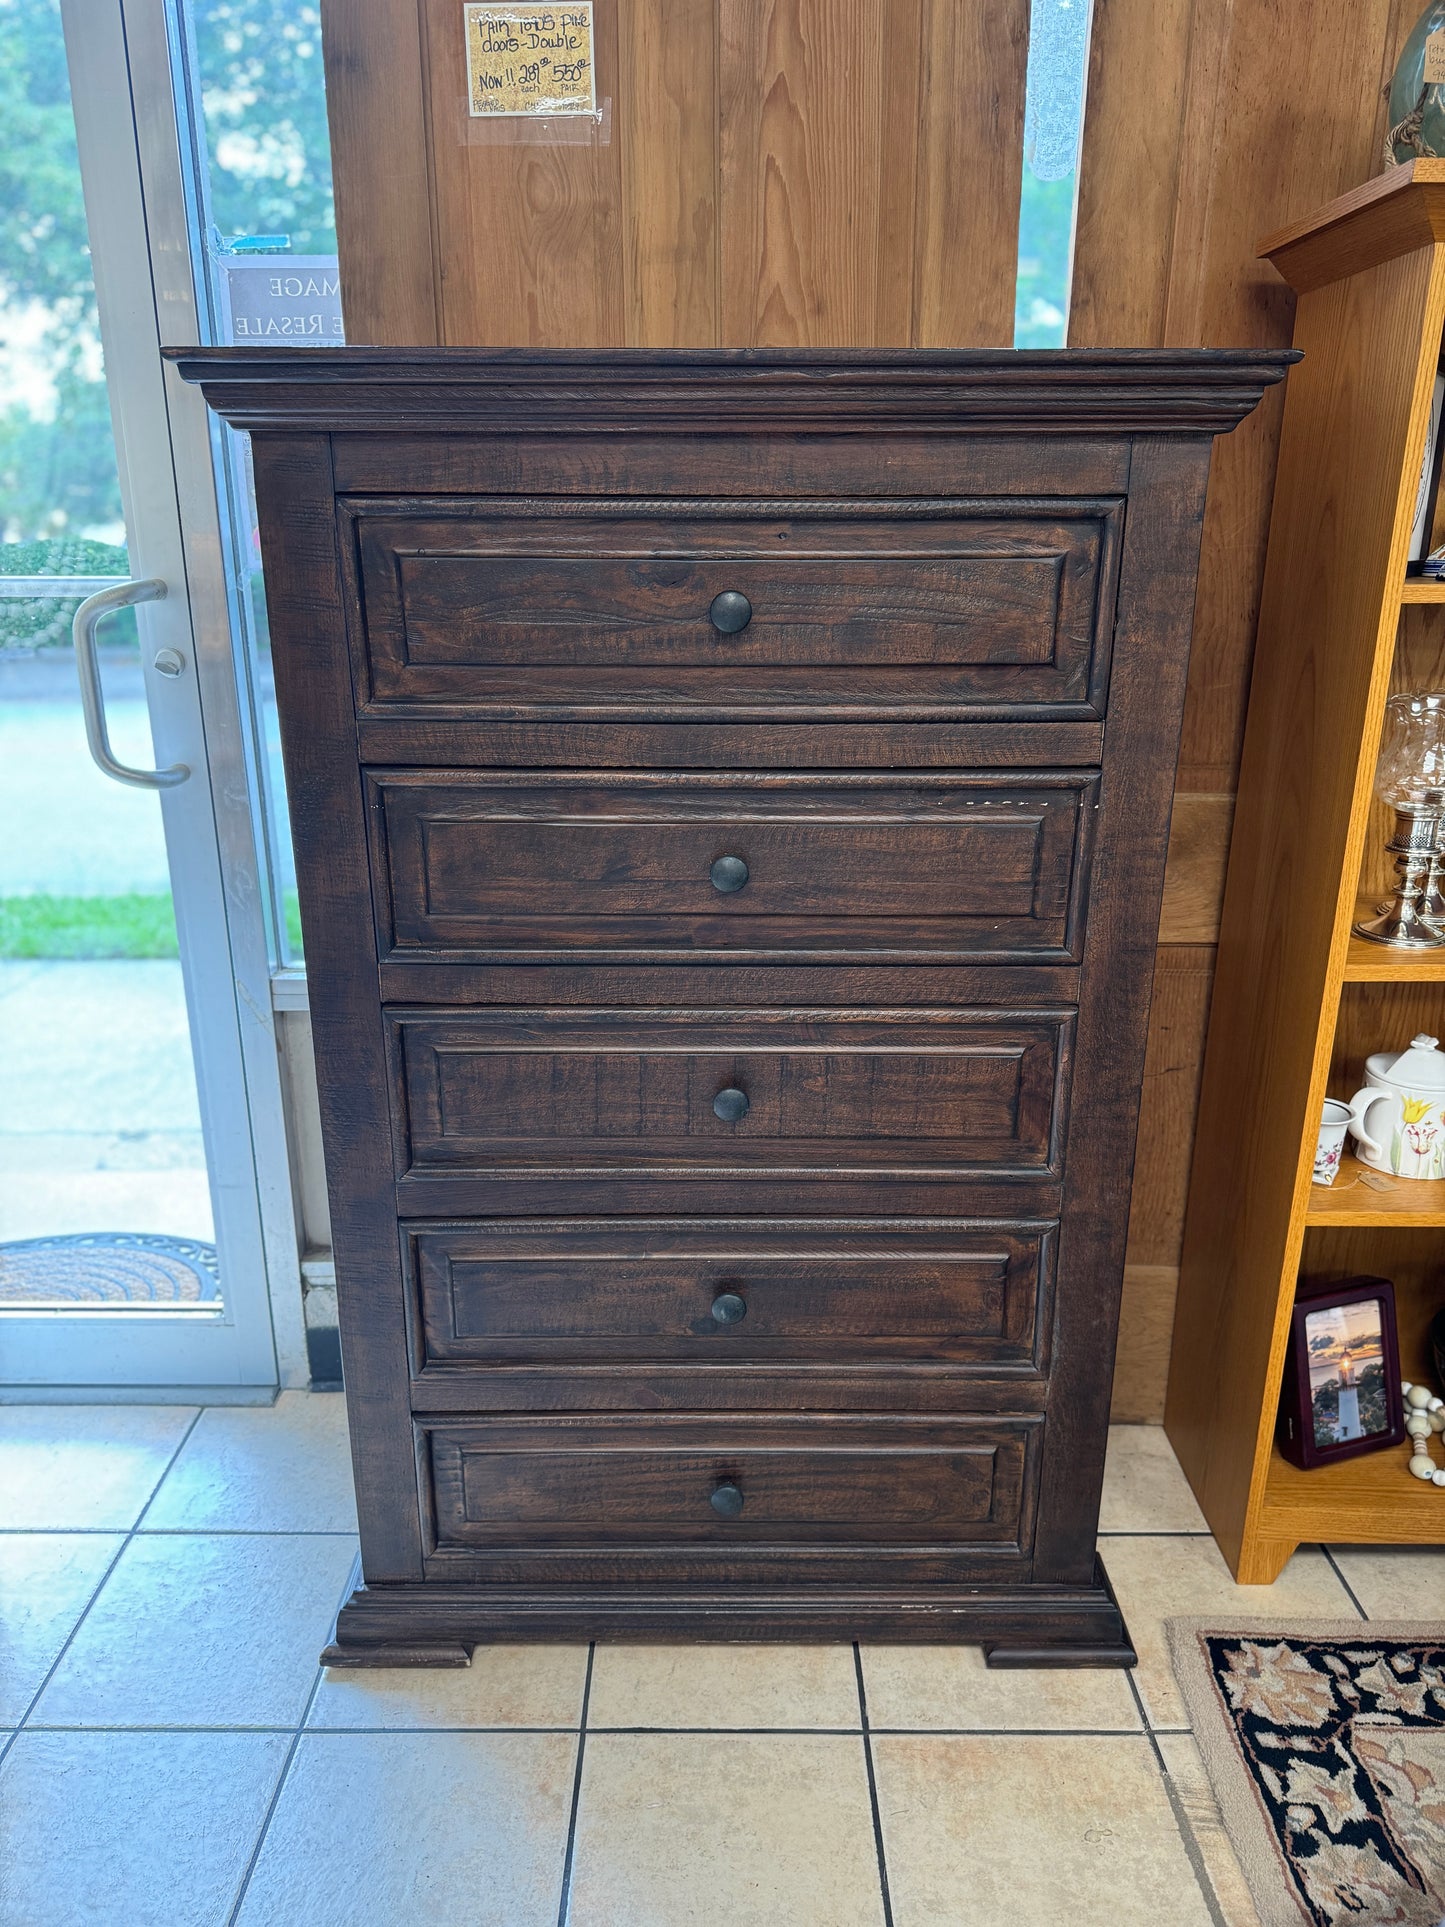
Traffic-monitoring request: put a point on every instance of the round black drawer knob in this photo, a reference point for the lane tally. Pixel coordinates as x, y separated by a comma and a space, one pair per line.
727, 1501
729, 873
730, 613
730, 1105
729, 1308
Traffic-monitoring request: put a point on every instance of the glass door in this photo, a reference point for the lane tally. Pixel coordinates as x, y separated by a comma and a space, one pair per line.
147, 1239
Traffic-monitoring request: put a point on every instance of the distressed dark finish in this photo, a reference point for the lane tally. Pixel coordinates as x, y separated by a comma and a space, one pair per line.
581, 1486
486, 868
827, 1094
578, 607
731, 796
799, 1291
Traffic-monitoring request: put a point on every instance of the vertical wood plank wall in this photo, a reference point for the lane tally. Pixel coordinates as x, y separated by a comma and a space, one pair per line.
846, 173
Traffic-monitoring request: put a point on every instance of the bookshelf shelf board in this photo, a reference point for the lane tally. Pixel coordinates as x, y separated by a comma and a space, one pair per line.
1377, 963
1418, 589
1372, 1500
1360, 1195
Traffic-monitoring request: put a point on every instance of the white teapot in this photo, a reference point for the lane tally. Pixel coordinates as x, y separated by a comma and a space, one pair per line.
1398, 1119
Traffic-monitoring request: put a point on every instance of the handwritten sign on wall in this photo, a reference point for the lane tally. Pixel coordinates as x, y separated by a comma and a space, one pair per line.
526, 60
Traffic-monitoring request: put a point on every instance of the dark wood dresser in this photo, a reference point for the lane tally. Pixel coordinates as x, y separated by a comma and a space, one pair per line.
730, 795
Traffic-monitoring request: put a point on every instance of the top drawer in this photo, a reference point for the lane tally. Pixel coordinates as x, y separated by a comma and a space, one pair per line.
517, 607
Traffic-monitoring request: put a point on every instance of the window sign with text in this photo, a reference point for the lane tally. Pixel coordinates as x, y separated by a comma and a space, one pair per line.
285, 299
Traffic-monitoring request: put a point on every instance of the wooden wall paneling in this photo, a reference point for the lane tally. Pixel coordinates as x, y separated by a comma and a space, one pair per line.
818, 107
528, 218
970, 163
665, 123
1198, 857
1183, 977
1172, 1066
375, 102
1146, 1332
1134, 132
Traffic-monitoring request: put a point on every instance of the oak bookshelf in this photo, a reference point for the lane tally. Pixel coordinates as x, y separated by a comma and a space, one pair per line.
1299, 1002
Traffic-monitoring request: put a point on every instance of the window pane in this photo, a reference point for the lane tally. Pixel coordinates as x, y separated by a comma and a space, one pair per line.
255, 101
1053, 121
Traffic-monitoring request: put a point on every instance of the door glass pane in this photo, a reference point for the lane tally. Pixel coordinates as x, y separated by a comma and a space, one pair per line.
1058, 72
104, 1197
252, 98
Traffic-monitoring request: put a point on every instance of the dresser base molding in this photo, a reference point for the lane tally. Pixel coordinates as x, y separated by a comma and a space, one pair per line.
437, 1625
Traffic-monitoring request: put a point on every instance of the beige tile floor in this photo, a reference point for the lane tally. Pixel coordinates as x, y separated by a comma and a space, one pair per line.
172, 1753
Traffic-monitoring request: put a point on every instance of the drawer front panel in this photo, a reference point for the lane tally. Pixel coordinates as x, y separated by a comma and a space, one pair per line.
511, 605
488, 865
728, 1483
577, 1091
736, 1292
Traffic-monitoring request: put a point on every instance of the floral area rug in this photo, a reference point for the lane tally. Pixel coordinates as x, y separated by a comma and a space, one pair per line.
1326, 1752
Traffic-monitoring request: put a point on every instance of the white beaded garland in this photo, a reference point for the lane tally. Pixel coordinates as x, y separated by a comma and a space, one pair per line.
1424, 1417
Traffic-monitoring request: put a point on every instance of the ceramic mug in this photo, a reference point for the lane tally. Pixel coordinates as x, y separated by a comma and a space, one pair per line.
1399, 1131
1331, 1141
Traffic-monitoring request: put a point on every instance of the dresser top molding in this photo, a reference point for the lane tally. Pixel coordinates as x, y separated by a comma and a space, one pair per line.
471, 391
1396, 213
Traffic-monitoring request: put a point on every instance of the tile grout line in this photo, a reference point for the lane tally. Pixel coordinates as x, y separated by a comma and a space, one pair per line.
660, 1732
284, 1774
564, 1904
1133, 1686
1153, 1532
1338, 1571
872, 1789
1192, 1849
102, 1582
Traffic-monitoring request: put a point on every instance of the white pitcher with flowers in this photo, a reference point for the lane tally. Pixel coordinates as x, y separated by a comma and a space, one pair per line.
1398, 1118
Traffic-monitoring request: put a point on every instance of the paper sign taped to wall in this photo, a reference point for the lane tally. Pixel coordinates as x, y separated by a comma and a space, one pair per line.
529, 60
1434, 59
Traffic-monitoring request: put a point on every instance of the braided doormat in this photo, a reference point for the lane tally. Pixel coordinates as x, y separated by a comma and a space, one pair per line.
94, 1267
1326, 1752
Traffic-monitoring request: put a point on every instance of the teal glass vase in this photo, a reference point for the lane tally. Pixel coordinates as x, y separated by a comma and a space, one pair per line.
1417, 111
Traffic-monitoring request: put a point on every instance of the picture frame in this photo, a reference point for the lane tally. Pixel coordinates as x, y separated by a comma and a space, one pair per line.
1340, 1395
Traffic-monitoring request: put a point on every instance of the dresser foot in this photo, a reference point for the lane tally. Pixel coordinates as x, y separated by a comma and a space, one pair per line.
398, 1654
1002, 1658
1110, 1645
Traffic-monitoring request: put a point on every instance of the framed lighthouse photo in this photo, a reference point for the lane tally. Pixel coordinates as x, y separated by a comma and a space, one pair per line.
1341, 1391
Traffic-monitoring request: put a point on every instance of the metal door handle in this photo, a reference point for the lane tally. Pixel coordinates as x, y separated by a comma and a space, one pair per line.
92, 697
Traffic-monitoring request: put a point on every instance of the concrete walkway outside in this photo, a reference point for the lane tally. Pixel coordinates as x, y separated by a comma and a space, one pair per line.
99, 1124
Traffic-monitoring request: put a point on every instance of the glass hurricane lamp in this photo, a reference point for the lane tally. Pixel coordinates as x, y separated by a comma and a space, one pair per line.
1410, 777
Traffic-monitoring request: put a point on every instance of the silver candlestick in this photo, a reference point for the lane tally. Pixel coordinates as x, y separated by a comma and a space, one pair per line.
1405, 921
1410, 777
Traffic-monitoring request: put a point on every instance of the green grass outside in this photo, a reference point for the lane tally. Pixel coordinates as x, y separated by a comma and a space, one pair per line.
78, 928
73, 927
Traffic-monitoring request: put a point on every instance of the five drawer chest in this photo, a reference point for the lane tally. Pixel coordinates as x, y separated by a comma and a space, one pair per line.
730, 794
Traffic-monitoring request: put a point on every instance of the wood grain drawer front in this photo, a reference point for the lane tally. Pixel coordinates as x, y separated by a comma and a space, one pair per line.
516, 606
630, 1482
484, 866
745, 1291
728, 1092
